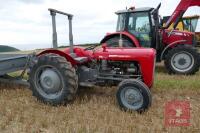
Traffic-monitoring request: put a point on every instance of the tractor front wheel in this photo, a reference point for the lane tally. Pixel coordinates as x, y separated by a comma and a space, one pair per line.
182, 60
53, 80
134, 95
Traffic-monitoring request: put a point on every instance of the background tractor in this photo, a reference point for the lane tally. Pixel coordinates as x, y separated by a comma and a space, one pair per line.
141, 27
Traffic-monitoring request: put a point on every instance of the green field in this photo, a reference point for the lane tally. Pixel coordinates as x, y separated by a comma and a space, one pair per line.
96, 109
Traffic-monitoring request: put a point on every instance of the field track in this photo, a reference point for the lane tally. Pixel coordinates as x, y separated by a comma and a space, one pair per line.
96, 109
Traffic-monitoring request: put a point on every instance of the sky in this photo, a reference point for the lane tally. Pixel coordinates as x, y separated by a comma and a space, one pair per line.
26, 24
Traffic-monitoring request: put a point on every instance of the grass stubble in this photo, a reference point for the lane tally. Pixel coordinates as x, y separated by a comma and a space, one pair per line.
96, 109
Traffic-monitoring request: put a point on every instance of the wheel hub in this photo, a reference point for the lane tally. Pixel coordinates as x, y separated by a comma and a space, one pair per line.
130, 98
47, 81
50, 81
182, 61
133, 97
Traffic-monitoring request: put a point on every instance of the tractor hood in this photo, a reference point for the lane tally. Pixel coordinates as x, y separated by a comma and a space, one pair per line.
124, 53
172, 36
145, 57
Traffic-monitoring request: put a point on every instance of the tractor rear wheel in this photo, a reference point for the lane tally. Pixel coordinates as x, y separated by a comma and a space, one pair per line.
134, 95
182, 60
53, 80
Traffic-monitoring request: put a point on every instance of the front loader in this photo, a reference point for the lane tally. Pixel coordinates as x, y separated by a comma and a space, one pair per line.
187, 23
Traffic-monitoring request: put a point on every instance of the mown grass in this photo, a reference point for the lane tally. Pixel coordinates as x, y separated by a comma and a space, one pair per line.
96, 109
181, 82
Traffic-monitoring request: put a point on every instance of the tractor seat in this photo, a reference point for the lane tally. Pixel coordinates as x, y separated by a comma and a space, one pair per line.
81, 60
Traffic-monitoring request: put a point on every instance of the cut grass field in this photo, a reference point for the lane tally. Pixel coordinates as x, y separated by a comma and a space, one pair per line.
96, 109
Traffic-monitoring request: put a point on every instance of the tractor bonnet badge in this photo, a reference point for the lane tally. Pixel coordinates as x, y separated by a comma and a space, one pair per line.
177, 113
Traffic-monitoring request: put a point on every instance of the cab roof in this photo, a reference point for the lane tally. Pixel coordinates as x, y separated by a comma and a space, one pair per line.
143, 9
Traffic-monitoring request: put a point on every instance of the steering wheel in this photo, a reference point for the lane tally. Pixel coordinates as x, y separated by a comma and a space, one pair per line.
91, 47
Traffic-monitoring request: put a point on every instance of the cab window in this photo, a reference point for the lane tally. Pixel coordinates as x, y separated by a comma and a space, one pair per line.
139, 25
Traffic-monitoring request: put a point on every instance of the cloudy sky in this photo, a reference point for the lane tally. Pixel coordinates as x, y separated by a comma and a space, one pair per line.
26, 24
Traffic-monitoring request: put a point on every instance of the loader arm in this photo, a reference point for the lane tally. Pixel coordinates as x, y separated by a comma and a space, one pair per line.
180, 10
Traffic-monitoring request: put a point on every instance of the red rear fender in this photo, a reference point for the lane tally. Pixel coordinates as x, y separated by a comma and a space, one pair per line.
132, 38
61, 53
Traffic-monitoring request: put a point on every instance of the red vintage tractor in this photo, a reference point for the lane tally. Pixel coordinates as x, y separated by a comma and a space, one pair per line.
142, 27
56, 75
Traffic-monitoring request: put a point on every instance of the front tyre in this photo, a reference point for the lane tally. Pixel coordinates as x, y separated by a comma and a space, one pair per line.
53, 80
133, 95
182, 60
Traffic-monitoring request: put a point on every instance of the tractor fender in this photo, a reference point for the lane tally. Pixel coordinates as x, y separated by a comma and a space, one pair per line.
132, 38
59, 52
173, 44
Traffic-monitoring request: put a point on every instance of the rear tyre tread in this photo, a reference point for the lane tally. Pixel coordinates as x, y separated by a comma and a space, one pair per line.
186, 48
68, 76
145, 91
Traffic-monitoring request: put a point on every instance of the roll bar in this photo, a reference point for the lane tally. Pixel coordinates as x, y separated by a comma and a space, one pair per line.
70, 16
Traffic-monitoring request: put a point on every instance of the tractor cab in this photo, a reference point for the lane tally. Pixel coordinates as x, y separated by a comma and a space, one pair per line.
140, 23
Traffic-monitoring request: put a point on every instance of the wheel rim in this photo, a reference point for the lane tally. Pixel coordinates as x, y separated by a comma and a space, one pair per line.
48, 82
182, 61
132, 98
